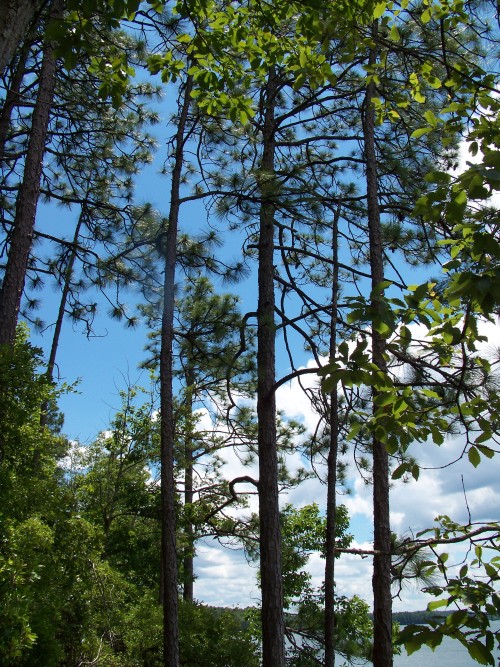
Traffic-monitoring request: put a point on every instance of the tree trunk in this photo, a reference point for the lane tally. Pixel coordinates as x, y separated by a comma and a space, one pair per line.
270, 535
168, 529
27, 200
331, 501
59, 321
188, 560
12, 97
382, 599
15, 19
64, 296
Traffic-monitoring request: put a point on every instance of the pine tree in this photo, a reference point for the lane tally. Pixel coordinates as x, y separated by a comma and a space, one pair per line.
27, 200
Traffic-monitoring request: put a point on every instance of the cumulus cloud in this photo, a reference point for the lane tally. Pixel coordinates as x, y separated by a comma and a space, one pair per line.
224, 577
448, 485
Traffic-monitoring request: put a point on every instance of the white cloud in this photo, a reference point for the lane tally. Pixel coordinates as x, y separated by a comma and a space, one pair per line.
224, 577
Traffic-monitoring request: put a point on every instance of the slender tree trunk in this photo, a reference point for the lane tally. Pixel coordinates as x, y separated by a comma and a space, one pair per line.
273, 626
12, 97
15, 19
382, 599
60, 318
68, 274
331, 500
169, 568
27, 199
188, 561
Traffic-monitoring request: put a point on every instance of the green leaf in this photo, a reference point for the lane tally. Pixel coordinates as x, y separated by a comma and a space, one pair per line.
394, 34
400, 471
430, 118
355, 429
474, 457
421, 131
379, 9
486, 451
480, 653
437, 604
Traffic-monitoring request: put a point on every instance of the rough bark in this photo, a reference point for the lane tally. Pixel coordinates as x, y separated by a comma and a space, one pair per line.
381, 581
168, 530
27, 200
331, 499
15, 19
273, 629
188, 560
12, 97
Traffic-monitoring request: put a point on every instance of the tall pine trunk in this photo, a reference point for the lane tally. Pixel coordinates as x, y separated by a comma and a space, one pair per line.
22, 235
169, 570
381, 581
15, 19
273, 626
188, 560
331, 499
12, 96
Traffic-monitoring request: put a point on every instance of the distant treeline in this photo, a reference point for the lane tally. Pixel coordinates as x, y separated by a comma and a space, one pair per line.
418, 617
421, 617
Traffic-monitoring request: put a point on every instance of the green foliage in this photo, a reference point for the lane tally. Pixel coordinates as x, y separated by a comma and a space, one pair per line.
303, 533
209, 636
471, 592
113, 490
28, 453
56, 596
305, 631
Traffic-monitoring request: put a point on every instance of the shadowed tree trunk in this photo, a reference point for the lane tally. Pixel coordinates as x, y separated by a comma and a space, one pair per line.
188, 560
382, 599
331, 502
169, 570
273, 627
12, 96
15, 19
24, 222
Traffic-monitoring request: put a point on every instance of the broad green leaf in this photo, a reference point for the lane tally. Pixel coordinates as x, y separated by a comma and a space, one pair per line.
394, 34
421, 131
400, 471
480, 653
474, 457
486, 451
430, 118
437, 604
379, 9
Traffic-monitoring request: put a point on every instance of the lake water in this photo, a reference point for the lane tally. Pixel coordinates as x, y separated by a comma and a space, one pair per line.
450, 653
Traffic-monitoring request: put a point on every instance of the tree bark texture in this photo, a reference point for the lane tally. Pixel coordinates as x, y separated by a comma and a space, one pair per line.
381, 581
15, 19
188, 560
169, 570
273, 627
12, 97
27, 200
331, 499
